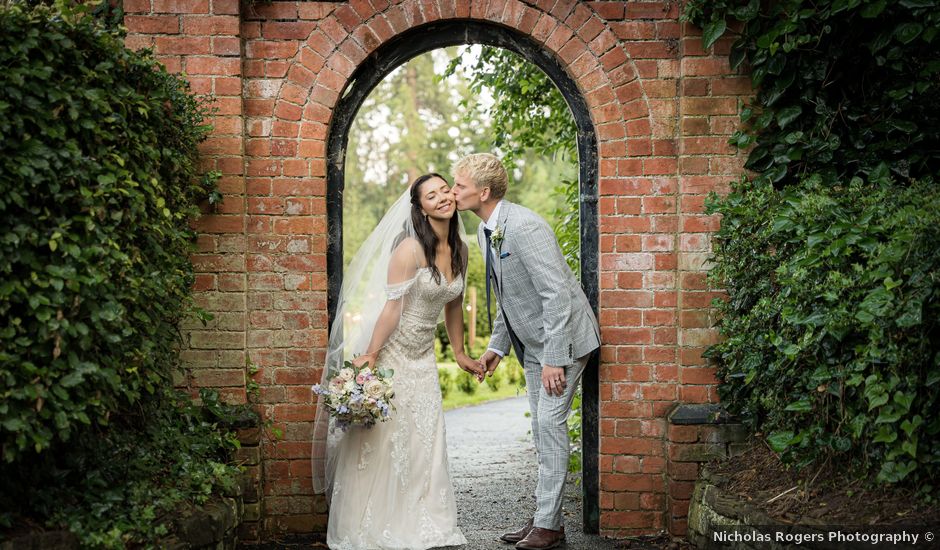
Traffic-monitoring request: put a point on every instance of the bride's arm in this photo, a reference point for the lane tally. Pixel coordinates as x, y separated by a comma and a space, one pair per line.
453, 321
401, 268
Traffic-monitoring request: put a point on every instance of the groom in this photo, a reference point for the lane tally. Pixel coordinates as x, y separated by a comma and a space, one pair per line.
544, 315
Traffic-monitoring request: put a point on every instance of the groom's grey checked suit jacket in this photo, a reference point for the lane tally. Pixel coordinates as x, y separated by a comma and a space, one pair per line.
552, 320
537, 292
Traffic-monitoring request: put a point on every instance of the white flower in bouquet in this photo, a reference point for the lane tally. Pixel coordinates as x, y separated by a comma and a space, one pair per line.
374, 388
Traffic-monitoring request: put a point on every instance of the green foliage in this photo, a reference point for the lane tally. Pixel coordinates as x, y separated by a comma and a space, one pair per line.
118, 487
574, 433
845, 87
495, 380
97, 184
466, 382
528, 113
833, 344
567, 225
444, 380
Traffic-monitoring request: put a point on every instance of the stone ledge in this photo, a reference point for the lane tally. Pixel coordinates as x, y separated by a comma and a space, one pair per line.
210, 526
708, 413
720, 521
48, 540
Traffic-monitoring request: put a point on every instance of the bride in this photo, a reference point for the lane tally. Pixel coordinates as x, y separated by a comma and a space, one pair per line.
388, 486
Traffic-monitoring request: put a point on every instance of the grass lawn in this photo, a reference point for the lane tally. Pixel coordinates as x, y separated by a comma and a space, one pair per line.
456, 398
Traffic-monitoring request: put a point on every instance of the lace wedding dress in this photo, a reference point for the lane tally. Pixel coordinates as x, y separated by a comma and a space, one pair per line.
392, 488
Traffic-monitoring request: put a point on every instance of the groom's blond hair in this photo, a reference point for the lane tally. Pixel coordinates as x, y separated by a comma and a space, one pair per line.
485, 170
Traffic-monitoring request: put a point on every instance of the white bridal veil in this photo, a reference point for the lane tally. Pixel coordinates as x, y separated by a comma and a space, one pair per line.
362, 298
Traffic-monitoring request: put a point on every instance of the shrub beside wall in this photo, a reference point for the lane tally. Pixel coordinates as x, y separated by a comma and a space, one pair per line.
98, 183
828, 249
832, 339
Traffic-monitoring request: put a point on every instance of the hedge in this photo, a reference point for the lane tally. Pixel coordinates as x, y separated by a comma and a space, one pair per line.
828, 247
97, 183
98, 186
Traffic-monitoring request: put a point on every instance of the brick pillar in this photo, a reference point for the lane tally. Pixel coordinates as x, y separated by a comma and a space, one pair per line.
286, 250
710, 95
201, 40
697, 434
639, 224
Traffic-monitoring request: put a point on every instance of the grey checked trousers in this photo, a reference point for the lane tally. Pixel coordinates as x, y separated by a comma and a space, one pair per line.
550, 433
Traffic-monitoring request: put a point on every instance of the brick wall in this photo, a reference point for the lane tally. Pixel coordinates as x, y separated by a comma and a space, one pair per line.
662, 108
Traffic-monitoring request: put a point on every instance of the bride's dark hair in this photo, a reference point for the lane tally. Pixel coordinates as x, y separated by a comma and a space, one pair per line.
428, 238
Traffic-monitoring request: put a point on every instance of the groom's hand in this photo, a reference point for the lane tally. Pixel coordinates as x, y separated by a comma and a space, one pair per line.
469, 365
553, 380
489, 362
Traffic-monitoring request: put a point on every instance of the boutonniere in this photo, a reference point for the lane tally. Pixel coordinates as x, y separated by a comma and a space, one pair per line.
496, 238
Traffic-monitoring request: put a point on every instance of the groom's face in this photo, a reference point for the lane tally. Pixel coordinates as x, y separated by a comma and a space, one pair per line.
466, 193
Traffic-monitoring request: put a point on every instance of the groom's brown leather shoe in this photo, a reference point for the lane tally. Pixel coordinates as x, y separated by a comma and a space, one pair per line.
516, 536
541, 539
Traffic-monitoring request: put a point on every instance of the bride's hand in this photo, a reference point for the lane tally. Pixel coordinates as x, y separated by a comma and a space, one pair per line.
369, 358
469, 365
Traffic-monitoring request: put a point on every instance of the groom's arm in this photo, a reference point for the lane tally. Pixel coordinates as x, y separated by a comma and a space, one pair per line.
499, 340
539, 251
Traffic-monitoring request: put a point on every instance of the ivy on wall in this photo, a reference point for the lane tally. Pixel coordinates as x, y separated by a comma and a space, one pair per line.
98, 186
844, 88
828, 247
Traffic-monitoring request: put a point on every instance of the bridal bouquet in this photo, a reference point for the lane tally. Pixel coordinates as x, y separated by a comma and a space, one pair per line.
358, 397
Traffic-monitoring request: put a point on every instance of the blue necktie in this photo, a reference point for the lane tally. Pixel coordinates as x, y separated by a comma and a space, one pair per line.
489, 274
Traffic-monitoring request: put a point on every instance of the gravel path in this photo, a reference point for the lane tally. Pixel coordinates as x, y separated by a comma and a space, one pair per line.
492, 461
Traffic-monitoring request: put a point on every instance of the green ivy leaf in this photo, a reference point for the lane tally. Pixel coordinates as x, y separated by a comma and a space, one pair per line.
907, 32
737, 57
885, 434
712, 32
803, 405
779, 441
874, 9
787, 115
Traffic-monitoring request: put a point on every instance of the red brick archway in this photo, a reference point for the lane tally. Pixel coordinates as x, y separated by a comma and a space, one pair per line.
662, 110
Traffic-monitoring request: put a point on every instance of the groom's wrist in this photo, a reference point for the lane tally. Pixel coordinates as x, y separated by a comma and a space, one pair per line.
497, 352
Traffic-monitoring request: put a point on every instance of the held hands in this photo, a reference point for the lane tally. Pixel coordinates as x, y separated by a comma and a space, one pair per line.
553, 380
471, 366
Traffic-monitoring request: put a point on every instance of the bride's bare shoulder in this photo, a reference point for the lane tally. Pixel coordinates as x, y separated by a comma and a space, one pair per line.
409, 250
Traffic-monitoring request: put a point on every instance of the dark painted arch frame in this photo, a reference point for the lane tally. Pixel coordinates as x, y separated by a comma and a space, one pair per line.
452, 33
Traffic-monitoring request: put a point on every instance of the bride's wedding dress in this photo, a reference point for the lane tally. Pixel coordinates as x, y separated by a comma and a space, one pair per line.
392, 489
